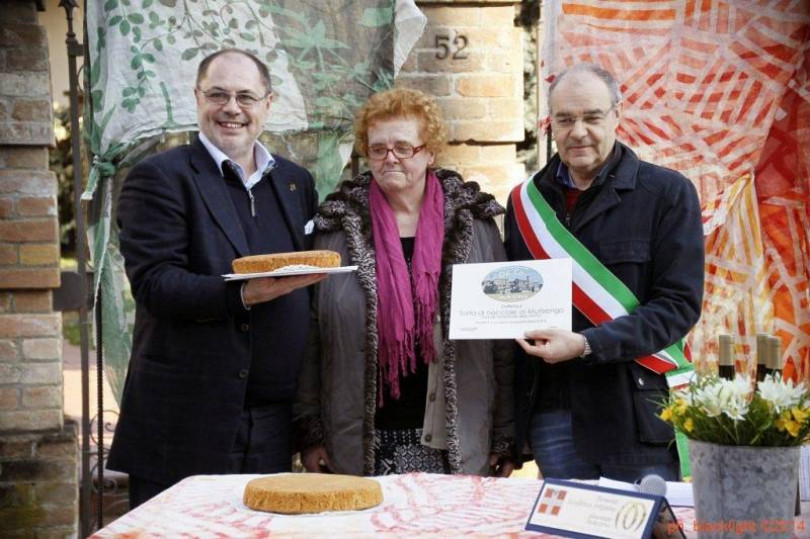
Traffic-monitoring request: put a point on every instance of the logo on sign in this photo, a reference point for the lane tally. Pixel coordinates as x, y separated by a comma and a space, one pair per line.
552, 501
631, 516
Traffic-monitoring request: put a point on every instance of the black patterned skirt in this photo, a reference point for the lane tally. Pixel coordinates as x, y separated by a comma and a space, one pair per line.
399, 451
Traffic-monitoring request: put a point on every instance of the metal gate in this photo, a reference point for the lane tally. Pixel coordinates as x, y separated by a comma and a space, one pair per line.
75, 294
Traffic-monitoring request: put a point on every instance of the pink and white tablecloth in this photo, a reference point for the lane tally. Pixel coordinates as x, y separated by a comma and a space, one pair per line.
413, 505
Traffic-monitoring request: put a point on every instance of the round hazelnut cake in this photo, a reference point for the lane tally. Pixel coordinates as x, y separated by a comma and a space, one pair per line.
272, 262
299, 493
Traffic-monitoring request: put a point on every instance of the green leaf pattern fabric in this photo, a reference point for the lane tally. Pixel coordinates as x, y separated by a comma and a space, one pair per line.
325, 58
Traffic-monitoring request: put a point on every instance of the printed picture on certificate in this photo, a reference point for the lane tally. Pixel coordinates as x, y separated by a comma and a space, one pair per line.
503, 300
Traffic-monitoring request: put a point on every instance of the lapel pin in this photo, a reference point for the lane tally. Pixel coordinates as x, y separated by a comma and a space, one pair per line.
292, 187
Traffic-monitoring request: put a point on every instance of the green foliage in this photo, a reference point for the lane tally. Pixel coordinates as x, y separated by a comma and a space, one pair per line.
70, 329
60, 162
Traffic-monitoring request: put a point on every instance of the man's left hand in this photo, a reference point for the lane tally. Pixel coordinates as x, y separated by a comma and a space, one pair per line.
553, 345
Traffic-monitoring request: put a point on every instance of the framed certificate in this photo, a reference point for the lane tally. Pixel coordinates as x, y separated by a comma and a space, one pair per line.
503, 300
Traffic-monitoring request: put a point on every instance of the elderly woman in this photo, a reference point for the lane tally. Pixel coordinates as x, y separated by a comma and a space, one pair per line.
383, 390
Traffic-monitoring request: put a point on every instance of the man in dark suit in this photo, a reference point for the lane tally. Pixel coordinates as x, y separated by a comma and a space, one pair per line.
214, 364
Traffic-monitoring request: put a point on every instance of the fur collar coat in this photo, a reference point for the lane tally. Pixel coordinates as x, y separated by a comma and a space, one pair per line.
469, 412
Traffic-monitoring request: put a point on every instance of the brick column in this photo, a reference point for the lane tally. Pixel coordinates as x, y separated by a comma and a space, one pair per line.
470, 58
38, 452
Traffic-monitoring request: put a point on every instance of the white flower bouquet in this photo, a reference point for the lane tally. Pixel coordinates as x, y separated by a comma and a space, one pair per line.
729, 412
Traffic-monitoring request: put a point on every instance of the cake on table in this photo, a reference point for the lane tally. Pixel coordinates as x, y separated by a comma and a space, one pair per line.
272, 262
299, 493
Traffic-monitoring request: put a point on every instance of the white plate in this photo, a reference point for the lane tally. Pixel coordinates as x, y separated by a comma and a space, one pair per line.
286, 272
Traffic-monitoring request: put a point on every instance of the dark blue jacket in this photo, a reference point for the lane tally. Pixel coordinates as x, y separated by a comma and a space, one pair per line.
194, 343
643, 222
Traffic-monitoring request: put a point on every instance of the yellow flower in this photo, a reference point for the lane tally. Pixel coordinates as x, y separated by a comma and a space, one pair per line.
800, 415
785, 422
689, 425
666, 414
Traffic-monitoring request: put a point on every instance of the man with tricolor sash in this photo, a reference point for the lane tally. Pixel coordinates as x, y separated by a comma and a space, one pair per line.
587, 399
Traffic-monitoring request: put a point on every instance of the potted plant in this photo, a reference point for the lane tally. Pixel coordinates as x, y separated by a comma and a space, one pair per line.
744, 446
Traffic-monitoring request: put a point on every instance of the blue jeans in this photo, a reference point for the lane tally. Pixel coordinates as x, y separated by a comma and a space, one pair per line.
552, 443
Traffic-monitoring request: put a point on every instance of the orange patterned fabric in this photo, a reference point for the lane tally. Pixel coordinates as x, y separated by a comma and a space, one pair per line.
720, 91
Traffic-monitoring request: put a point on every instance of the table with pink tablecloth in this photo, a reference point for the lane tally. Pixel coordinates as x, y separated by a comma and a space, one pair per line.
413, 505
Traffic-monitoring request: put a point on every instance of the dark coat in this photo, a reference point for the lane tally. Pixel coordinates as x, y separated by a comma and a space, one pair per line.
644, 224
194, 340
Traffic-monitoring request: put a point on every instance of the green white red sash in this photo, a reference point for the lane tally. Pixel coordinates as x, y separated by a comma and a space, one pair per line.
597, 293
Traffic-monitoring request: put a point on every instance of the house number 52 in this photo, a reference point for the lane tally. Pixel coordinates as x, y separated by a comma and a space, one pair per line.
453, 48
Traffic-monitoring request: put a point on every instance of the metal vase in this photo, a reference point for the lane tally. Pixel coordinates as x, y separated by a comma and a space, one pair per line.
744, 491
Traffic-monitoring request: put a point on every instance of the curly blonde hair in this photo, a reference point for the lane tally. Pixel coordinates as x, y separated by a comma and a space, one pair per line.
402, 103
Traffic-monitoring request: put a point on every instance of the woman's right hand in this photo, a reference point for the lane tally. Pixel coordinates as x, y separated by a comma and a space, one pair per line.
316, 460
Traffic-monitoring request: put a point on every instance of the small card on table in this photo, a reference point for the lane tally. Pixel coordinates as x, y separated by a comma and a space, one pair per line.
503, 300
570, 509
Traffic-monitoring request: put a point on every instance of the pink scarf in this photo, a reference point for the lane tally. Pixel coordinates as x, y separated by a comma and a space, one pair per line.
405, 311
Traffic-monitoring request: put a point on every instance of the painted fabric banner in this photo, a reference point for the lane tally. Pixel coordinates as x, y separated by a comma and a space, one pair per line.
325, 58
721, 92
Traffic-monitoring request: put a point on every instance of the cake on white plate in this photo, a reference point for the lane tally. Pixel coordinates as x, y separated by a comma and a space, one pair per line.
272, 262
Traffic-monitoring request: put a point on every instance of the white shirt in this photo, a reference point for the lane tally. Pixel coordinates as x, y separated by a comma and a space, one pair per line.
264, 161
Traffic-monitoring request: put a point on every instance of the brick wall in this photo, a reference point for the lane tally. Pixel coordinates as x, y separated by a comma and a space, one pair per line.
39, 483
470, 58
38, 452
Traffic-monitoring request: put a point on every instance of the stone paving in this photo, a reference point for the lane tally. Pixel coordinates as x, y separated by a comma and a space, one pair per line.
72, 369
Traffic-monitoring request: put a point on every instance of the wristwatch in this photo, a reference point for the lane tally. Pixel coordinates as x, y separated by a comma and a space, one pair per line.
587, 350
